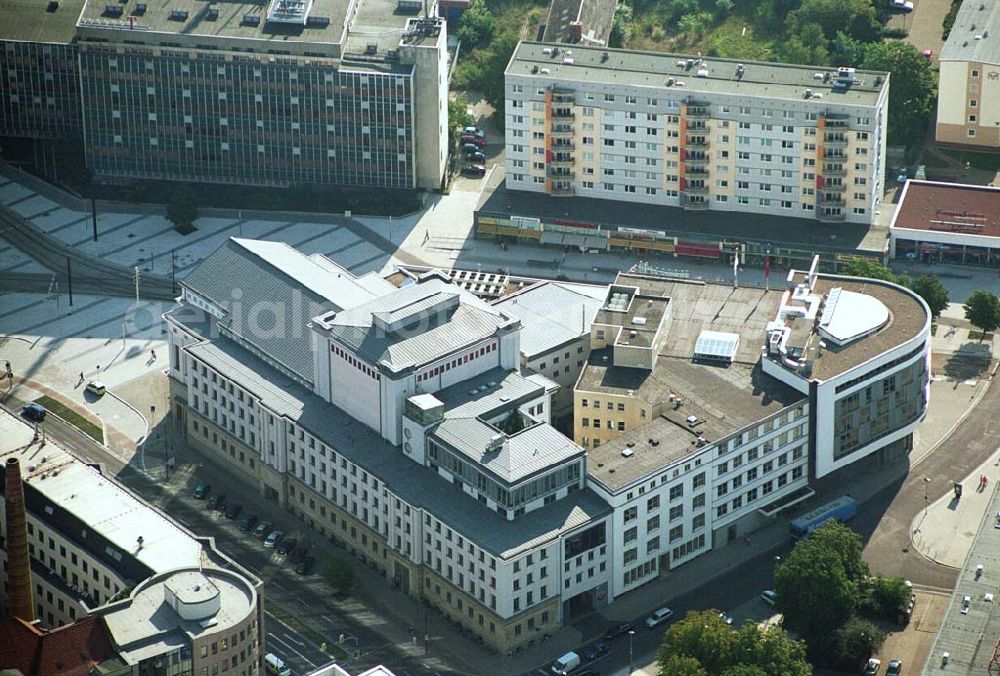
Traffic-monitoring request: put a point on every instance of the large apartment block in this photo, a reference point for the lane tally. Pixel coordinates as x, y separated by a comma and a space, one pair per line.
698, 133
288, 93
968, 110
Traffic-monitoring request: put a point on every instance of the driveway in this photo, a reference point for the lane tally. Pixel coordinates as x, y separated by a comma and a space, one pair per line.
924, 24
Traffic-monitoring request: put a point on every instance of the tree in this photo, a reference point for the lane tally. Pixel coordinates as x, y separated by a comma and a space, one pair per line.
912, 88
339, 574
476, 26
854, 17
933, 292
818, 584
682, 665
695, 24
845, 50
182, 211
806, 46
621, 26
492, 81
702, 635
702, 642
885, 597
458, 118
983, 311
870, 269
856, 641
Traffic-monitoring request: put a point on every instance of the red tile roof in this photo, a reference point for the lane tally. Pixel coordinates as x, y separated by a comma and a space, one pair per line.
72, 650
950, 207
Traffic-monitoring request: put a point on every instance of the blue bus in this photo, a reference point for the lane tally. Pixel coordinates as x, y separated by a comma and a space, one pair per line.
841, 509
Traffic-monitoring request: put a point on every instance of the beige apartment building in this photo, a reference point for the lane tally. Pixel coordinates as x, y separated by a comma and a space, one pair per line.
696, 133
969, 89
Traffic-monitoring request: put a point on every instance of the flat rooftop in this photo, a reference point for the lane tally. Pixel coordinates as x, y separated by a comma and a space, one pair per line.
724, 399
949, 208
765, 80
640, 316
907, 317
689, 226
975, 35
233, 19
100, 502
551, 315
595, 17
31, 20
146, 625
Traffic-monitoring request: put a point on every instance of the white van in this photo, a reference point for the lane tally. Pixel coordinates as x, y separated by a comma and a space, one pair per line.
275, 665
566, 664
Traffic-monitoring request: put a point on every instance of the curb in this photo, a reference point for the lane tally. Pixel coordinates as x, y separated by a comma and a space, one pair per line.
951, 430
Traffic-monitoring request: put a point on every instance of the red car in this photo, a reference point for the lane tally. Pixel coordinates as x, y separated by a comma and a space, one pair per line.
927, 54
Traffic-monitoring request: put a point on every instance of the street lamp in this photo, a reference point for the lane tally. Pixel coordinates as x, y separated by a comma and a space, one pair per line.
631, 633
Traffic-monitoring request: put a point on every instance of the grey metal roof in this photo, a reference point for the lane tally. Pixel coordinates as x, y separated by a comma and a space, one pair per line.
418, 485
975, 18
270, 291
551, 315
435, 326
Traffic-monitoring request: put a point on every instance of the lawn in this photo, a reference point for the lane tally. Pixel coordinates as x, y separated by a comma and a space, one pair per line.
91, 429
984, 161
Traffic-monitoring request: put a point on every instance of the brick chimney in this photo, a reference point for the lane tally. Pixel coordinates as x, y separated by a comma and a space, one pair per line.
21, 602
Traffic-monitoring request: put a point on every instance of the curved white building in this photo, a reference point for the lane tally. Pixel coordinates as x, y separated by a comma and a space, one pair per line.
860, 350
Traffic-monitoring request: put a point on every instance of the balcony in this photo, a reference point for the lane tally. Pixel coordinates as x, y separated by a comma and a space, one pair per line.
839, 122
562, 188
697, 170
696, 189
834, 187
562, 144
831, 215
696, 205
835, 155
562, 173
698, 113
696, 142
561, 160
833, 200
563, 114
563, 97
696, 159
697, 127
835, 141
561, 131
834, 170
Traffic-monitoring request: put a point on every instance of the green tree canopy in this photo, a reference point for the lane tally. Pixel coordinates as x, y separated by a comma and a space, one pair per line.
818, 584
871, 270
339, 574
476, 25
933, 292
983, 310
805, 45
856, 18
856, 641
912, 88
621, 26
704, 642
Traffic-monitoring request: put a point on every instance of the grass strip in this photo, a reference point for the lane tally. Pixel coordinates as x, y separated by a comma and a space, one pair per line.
295, 623
91, 429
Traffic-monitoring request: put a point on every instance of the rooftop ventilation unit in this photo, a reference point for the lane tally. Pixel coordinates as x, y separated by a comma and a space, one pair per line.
627, 452
809, 93
178, 15
52, 6
703, 71
692, 419
817, 76
679, 83
112, 10
371, 48
547, 51
250, 20
604, 57
317, 21
212, 13
546, 71
568, 60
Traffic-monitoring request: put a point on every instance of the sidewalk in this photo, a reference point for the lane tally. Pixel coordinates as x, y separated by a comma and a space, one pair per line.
945, 531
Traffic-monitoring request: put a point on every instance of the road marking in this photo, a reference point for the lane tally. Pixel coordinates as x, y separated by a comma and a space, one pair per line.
330, 620
286, 647
295, 640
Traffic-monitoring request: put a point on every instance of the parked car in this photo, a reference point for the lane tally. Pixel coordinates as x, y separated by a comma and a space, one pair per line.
476, 157
299, 553
599, 649
217, 502
927, 54
306, 566
728, 619
874, 664
473, 139
201, 491
469, 148
274, 538
565, 664
768, 596
894, 668
619, 629
33, 412
233, 510
659, 616
474, 131
903, 5
247, 523
474, 170
96, 387
262, 529
287, 545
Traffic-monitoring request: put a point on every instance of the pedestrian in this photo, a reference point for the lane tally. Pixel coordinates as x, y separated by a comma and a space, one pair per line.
153, 353
746, 539
81, 376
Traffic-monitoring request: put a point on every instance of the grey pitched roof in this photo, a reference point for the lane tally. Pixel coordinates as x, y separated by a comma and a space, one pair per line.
431, 324
416, 484
975, 18
551, 315
270, 291
523, 454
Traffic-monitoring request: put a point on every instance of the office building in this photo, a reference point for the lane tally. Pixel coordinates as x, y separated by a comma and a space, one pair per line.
112, 572
421, 438
696, 133
968, 109
294, 92
555, 333
946, 223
